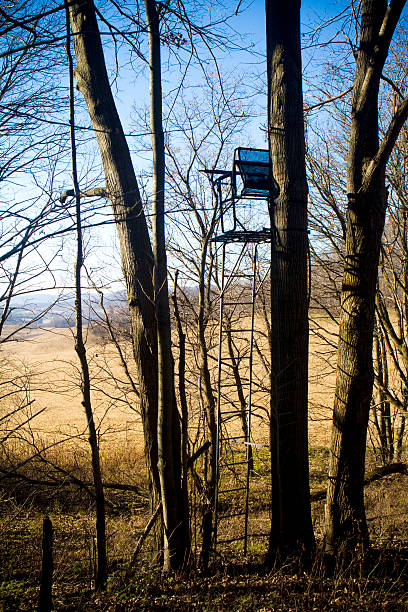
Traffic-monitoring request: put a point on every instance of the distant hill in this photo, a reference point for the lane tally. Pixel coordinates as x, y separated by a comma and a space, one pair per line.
50, 310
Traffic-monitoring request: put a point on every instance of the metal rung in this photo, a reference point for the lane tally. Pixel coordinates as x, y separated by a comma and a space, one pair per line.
235, 331
249, 276
234, 384
232, 490
237, 412
229, 417
231, 540
229, 465
225, 516
239, 358
237, 303
257, 444
241, 537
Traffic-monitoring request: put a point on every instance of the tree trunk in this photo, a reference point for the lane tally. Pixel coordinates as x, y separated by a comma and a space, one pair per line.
345, 514
291, 530
80, 349
346, 527
182, 392
382, 407
175, 511
123, 192
209, 404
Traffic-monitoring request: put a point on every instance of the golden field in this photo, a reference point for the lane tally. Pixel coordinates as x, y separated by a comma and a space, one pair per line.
44, 362
40, 371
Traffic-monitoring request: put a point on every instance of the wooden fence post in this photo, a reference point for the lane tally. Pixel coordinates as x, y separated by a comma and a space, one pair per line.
47, 568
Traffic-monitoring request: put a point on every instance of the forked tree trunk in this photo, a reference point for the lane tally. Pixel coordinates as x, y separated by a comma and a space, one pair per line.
123, 192
346, 527
291, 531
175, 511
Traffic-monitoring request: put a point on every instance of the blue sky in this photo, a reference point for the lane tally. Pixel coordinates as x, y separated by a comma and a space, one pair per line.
132, 91
249, 30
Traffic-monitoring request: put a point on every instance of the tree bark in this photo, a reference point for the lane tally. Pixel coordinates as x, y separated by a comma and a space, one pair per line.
346, 526
175, 511
209, 405
123, 192
291, 531
182, 391
80, 349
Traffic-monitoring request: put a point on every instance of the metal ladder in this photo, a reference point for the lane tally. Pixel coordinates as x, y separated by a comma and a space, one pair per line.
234, 458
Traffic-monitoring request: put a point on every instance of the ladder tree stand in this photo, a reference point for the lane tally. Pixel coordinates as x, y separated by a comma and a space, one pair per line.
241, 279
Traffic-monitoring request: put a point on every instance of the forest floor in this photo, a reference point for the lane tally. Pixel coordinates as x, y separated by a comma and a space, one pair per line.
380, 582
53, 448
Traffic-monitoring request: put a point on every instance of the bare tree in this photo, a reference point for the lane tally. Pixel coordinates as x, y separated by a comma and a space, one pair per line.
31, 149
346, 527
174, 507
102, 569
123, 193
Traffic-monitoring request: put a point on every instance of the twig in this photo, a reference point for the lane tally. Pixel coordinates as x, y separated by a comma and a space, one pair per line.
116, 486
377, 474
191, 460
142, 538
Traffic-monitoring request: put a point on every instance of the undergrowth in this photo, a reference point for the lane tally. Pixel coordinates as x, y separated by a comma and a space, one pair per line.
233, 582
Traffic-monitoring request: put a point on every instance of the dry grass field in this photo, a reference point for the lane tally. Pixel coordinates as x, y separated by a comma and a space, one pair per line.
44, 364
42, 367
47, 358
